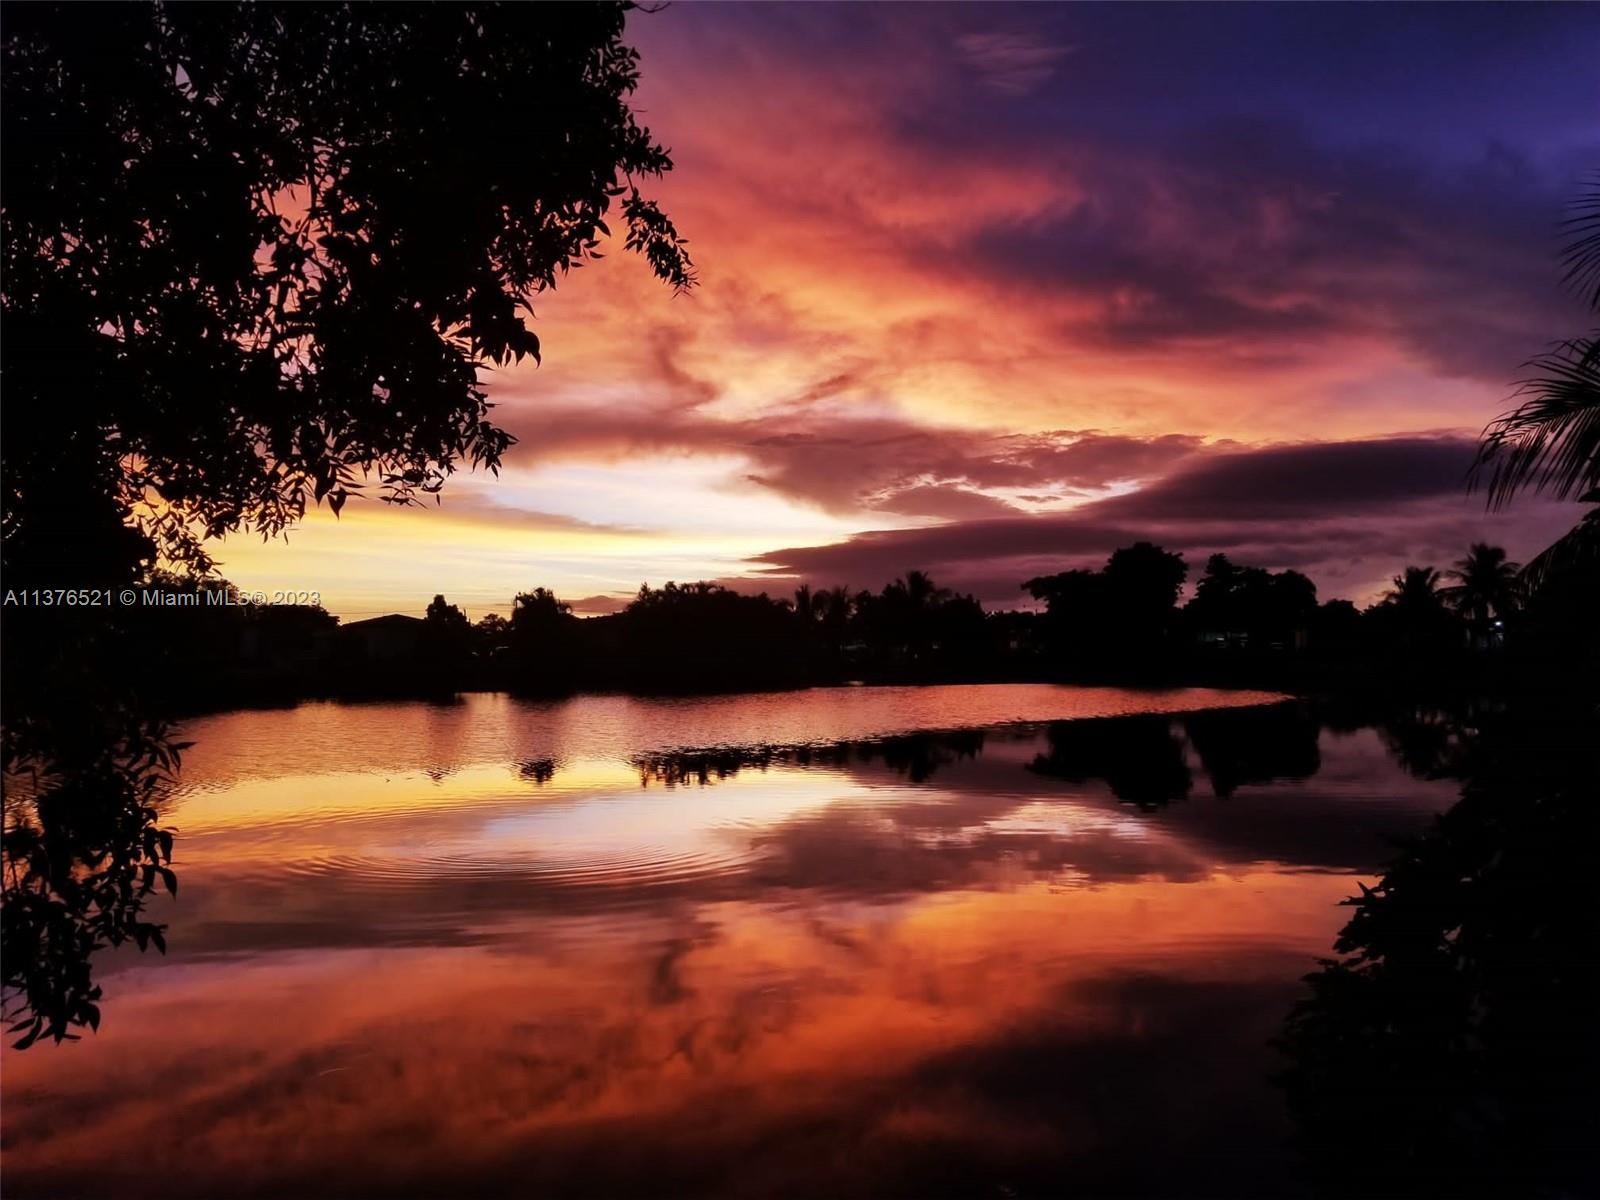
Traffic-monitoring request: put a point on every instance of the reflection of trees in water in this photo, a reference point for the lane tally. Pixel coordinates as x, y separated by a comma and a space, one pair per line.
1143, 759
1451, 1047
1140, 758
537, 770
80, 862
82, 850
1255, 746
1425, 741
916, 756
77, 870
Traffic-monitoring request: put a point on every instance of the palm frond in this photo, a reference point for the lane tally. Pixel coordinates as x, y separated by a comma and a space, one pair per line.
1581, 256
1575, 551
1551, 441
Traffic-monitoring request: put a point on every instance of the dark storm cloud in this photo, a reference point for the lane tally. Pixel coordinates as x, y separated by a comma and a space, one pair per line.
1314, 481
897, 466
1346, 512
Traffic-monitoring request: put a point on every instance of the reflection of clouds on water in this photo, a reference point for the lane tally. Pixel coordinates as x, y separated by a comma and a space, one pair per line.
989, 957
736, 1035
843, 852
350, 860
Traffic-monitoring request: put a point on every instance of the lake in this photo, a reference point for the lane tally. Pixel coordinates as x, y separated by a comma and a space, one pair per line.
976, 941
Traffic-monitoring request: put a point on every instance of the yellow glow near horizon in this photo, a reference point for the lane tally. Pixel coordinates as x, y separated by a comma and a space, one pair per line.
378, 558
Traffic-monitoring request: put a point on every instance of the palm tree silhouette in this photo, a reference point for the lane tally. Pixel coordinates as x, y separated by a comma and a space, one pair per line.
1417, 609
908, 607
1416, 590
805, 603
1551, 441
1487, 585
922, 592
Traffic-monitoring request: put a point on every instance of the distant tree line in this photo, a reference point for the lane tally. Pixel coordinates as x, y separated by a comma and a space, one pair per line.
1126, 622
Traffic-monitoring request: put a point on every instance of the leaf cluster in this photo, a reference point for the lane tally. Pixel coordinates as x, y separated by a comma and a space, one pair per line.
82, 849
257, 256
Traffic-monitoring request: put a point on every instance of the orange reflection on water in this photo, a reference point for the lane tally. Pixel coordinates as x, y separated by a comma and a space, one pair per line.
705, 1034
939, 965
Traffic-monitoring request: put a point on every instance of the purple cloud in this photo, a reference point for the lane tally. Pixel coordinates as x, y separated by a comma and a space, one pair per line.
1348, 513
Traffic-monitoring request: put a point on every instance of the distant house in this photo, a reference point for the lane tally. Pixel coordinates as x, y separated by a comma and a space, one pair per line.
384, 639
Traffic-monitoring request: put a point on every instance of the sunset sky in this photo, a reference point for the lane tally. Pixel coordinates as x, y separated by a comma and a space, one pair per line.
990, 290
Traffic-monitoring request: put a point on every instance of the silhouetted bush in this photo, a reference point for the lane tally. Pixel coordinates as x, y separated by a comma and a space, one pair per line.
1450, 1049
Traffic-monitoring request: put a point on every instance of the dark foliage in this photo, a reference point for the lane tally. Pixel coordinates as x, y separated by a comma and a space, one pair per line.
1237, 749
912, 630
1123, 616
1451, 1048
1249, 605
916, 757
444, 642
701, 637
1244, 627
254, 257
1140, 758
242, 239
539, 645
83, 849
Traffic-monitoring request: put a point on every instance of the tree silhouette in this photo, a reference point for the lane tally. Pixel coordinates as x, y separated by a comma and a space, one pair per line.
1337, 626
1119, 617
913, 629
805, 604
832, 611
910, 606
920, 591
1146, 577
1266, 608
833, 606
265, 250
445, 647
542, 635
705, 637
446, 615
1414, 628
254, 257
491, 636
1415, 590
1487, 586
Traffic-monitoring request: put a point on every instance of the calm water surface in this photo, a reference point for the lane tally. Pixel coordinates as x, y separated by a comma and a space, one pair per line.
976, 941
